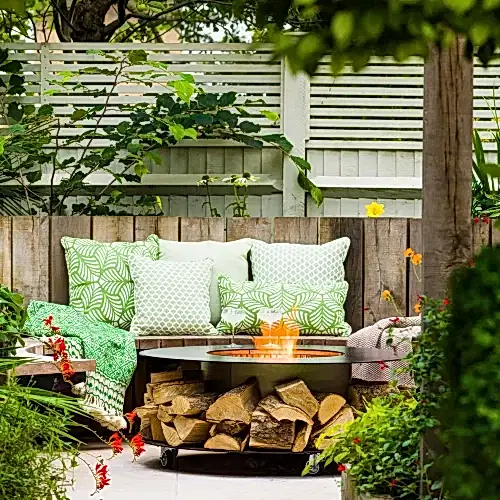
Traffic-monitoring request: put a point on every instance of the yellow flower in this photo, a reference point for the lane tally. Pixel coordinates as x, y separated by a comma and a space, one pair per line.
409, 252
386, 295
374, 209
417, 307
416, 259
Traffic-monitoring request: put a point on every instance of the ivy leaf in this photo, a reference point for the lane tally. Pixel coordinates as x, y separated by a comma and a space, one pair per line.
16, 80
137, 56
249, 141
184, 90
177, 131
11, 67
133, 148
78, 114
343, 27
29, 109
35, 176
227, 99
279, 140
242, 111
191, 132
203, 119
122, 127
307, 185
249, 127
45, 110
270, 115
300, 162
187, 77
140, 169
15, 111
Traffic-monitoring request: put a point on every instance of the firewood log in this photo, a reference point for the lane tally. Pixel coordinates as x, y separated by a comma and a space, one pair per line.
329, 405
165, 392
296, 393
171, 436
360, 394
334, 427
192, 405
229, 427
226, 442
164, 415
157, 378
156, 430
147, 399
266, 432
236, 404
191, 430
281, 411
302, 437
143, 410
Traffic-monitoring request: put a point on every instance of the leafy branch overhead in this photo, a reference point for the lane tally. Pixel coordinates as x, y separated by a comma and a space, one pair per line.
351, 32
183, 112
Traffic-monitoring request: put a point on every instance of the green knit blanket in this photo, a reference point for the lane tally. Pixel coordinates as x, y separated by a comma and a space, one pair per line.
113, 350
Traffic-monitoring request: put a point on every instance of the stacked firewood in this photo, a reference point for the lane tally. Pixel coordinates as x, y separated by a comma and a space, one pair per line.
179, 412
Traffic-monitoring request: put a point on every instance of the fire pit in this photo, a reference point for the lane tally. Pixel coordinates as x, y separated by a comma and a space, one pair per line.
272, 354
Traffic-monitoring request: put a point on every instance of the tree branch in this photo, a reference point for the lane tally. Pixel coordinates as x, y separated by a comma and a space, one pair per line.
57, 7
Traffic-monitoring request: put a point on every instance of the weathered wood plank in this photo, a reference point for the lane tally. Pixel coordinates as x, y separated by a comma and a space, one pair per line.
202, 228
109, 229
331, 229
169, 342
145, 226
195, 341
50, 368
30, 257
6, 251
76, 227
385, 243
168, 228
296, 230
415, 285
481, 235
258, 228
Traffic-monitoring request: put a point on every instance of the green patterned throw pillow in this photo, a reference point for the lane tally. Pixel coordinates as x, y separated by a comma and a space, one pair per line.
319, 308
100, 285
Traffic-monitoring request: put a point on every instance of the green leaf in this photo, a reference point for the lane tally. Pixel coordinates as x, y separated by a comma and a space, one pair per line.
300, 162
137, 56
459, 6
133, 148
479, 33
187, 77
45, 110
249, 127
191, 132
177, 131
307, 185
78, 114
35, 176
15, 111
242, 111
203, 119
279, 140
29, 109
270, 115
2, 142
343, 27
227, 99
4, 54
155, 157
491, 4
11, 67
16, 80
249, 141
140, 169
184, 90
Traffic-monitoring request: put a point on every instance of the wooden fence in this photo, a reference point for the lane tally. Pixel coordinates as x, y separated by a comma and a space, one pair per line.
361, 132
32, 258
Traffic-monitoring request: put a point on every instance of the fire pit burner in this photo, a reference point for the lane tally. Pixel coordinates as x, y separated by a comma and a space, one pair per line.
272, 354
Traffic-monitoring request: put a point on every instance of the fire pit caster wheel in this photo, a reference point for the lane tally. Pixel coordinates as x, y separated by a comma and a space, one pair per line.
314, 466
168, 457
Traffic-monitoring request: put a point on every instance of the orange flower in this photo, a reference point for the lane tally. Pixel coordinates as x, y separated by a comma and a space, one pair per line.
101, 476
386, 295
341, 468
409, 252
417, 307
137, 445
116, 443
416, 259
131, 416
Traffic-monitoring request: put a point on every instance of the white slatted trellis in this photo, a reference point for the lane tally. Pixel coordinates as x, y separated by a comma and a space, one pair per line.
361, 132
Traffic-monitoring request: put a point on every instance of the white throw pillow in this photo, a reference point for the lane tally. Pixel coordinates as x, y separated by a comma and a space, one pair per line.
171, 298
230, 259
295, 263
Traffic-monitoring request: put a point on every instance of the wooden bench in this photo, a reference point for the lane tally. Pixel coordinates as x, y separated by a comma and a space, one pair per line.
32, 258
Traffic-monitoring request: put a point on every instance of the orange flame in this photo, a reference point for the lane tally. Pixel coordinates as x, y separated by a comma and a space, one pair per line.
280, 338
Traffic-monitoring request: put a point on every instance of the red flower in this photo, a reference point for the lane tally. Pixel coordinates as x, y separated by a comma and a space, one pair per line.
101, 476
356, 440
420, 298
395, 320
446, 302
383, 365
137, 445
116, 443
131, 416
486, 220
366, 308
341, 468
393, 483
48, 321
476, 220
55, 329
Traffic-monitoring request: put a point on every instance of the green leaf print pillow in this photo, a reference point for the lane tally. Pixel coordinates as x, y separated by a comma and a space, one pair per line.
319, 309
100, 285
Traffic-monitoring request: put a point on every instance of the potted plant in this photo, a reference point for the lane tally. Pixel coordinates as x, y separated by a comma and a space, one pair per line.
379, 450
12, 318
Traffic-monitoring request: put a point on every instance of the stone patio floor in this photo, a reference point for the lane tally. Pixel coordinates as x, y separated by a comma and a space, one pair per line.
204, 476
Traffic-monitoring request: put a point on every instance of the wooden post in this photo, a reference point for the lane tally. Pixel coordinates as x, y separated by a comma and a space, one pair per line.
295, 120
447, 161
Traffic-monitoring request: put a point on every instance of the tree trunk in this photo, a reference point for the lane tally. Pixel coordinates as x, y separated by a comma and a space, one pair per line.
447, 165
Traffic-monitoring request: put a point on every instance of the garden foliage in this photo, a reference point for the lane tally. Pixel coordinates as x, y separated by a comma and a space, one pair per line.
12, 318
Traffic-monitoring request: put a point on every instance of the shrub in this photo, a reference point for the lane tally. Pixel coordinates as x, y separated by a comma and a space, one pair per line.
12, 318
